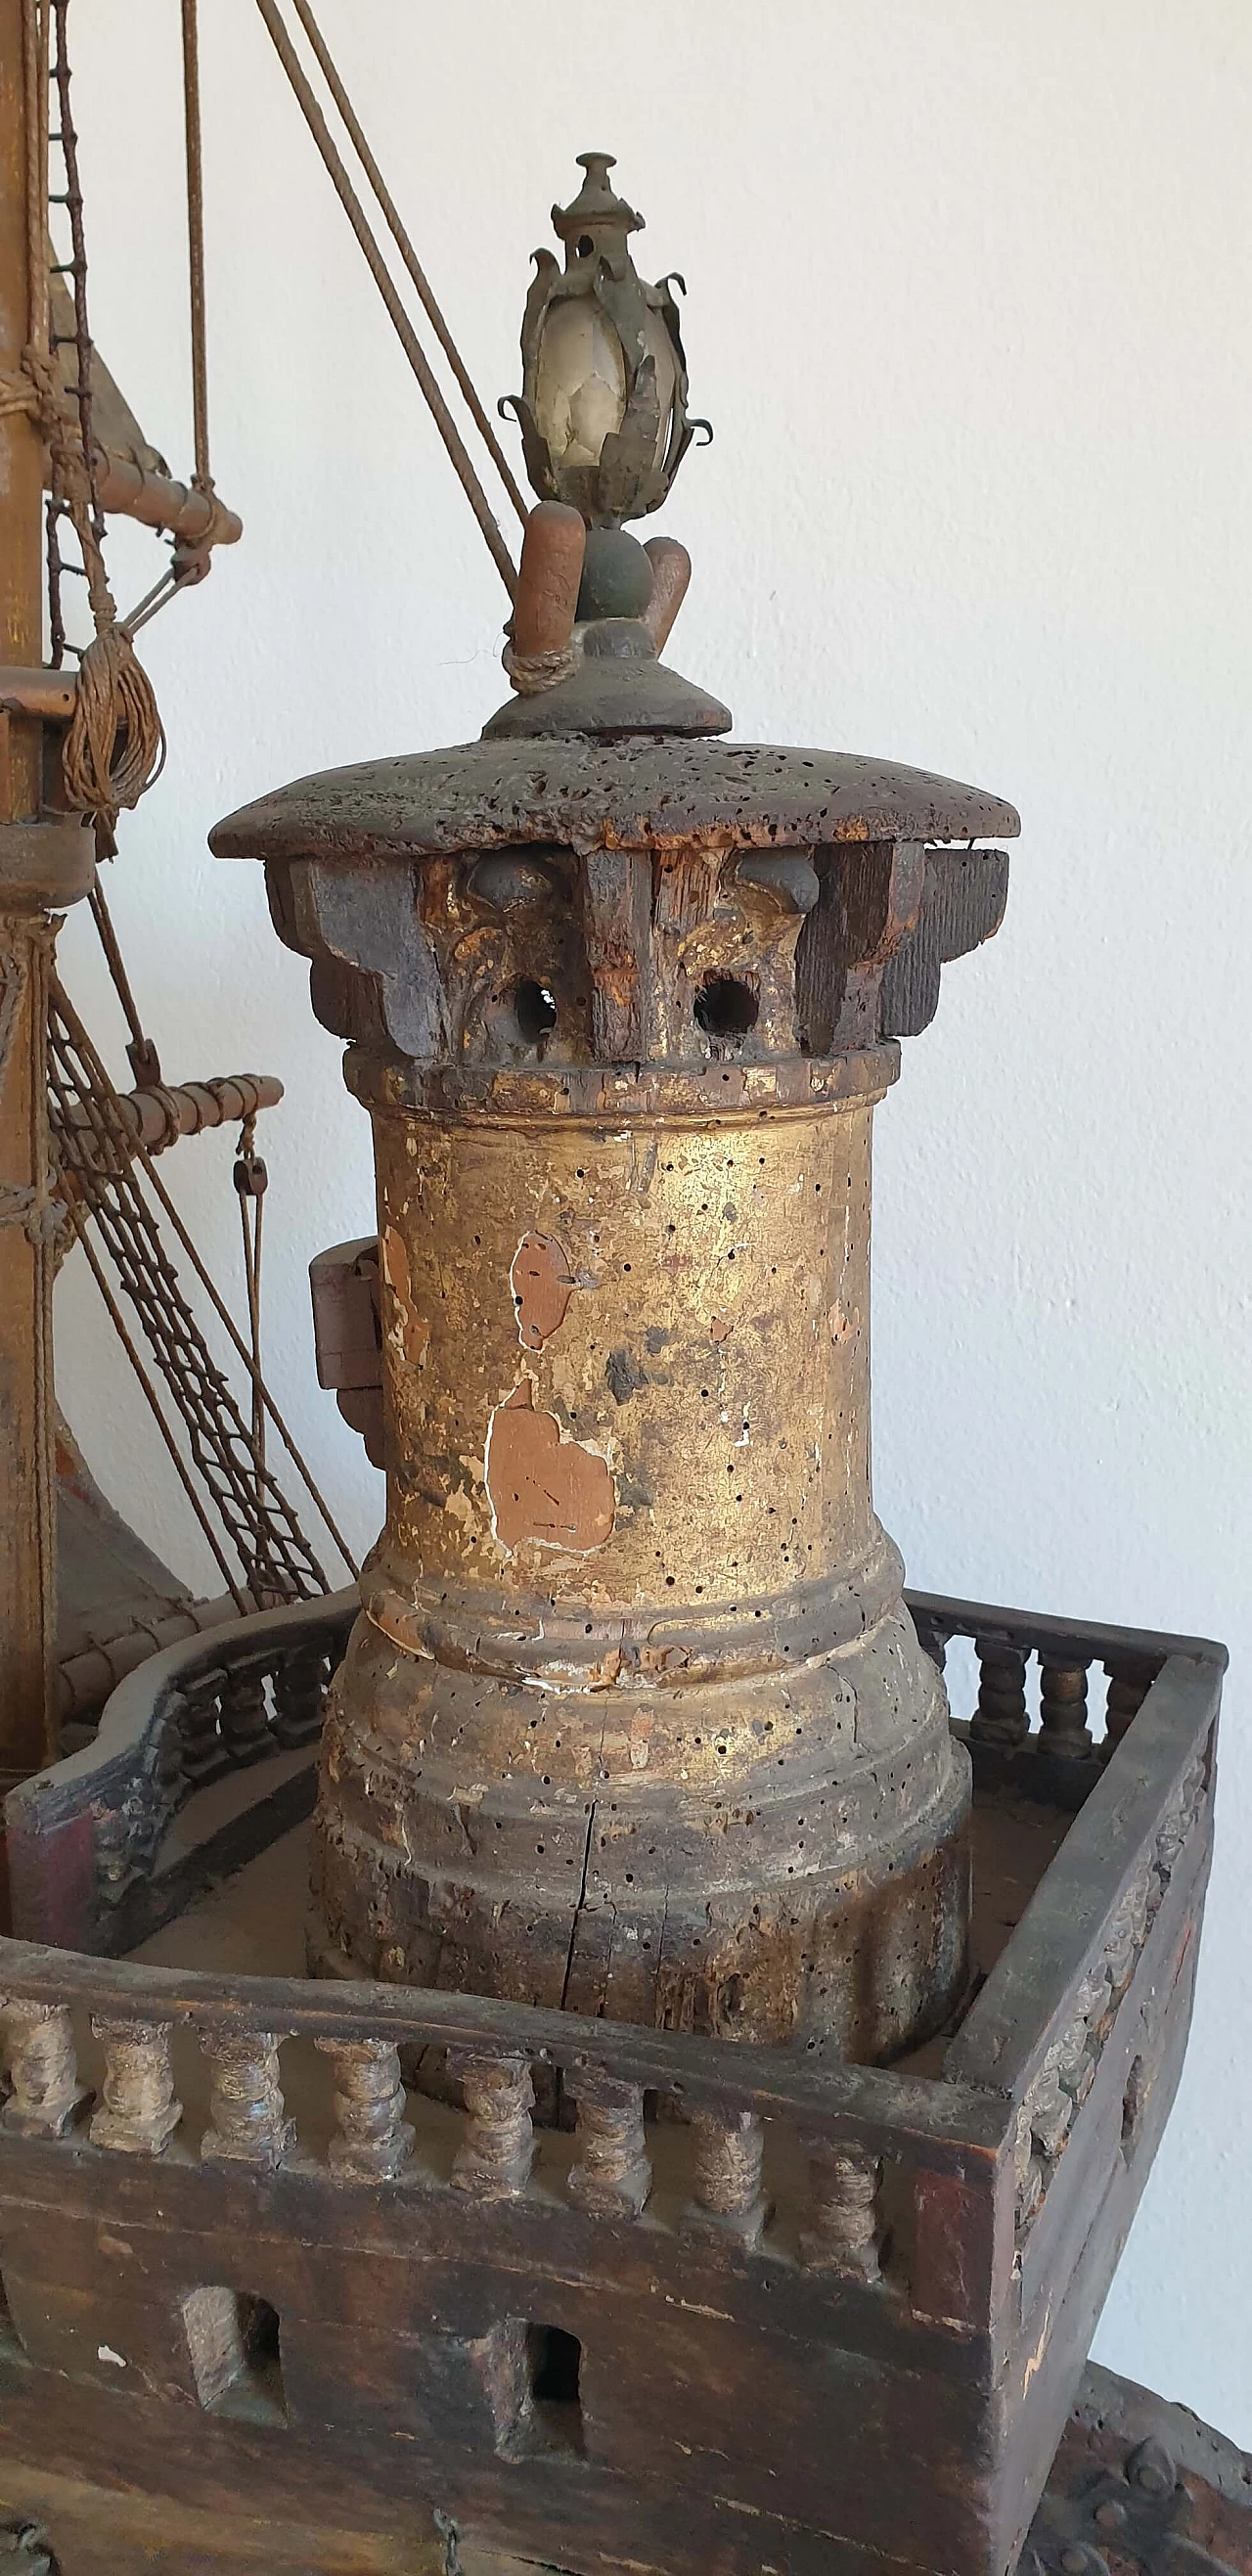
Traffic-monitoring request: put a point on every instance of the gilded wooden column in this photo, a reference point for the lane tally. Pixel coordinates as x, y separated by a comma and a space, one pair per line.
634, 1719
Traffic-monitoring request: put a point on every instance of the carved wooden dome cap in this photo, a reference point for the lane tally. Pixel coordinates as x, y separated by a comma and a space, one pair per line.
586, 794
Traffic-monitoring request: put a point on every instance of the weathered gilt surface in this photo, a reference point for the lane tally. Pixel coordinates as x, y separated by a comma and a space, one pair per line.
634, 1721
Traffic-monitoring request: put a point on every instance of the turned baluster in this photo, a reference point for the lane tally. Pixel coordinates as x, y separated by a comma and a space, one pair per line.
373, 2141
1063, 1710
245, 1718
727, 2199
498, 2149
247, 2117
844, 2235
1000, 1717
299, 1692
612, 2175
204, 1754
46, 2096
138, 2110
1130, 1680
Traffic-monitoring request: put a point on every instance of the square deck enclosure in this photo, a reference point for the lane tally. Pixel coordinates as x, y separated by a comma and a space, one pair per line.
755, 2313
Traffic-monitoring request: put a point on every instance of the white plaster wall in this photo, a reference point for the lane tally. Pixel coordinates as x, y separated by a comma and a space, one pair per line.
969, 297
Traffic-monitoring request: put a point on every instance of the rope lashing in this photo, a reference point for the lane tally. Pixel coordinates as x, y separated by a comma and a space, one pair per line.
17, 393
39, 377
529, 673
115, 742
539, 645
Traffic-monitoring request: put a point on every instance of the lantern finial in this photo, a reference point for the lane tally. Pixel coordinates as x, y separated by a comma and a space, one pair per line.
603, 406
595, 212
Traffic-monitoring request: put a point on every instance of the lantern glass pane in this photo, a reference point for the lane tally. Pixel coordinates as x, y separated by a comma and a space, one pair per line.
660, 349
580, 382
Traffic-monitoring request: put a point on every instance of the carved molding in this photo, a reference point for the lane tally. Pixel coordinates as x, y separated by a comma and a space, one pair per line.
688, 954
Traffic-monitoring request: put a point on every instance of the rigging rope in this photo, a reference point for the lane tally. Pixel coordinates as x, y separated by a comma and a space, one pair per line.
42, 1227
201, 477
89, 1084
35, 79
251, 1183
33, 1205
115, 743
117, 1319
145, 1063
113, 750
97, 1154
144, 1158
403, 244
381, 275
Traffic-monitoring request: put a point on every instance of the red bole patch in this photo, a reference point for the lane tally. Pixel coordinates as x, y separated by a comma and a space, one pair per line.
544, 1488
542, 1284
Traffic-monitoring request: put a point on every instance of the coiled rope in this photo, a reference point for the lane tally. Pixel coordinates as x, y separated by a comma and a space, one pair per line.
115, 743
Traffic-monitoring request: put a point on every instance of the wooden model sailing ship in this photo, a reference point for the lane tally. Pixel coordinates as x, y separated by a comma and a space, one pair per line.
726, 2075
69, 428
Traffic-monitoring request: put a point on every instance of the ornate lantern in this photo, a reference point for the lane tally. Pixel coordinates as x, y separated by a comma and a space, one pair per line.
603, 406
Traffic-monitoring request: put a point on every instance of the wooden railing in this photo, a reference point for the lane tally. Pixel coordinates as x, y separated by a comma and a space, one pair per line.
1053, 1752
86, 1860
85, 1837
803, 2242
893, 2177
863, 2140
1138, 1850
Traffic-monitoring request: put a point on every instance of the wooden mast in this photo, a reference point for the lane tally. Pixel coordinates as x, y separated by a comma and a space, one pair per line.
44, 862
